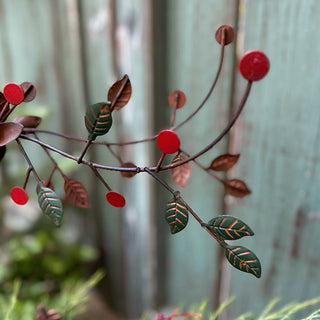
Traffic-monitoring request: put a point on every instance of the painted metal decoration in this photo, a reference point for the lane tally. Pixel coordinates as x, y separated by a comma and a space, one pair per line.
50, 204
176, 215
253, 66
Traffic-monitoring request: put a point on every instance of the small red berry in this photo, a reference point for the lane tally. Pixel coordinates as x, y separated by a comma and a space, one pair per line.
168, 141
13, 93
116, 199
19, 195
254, 65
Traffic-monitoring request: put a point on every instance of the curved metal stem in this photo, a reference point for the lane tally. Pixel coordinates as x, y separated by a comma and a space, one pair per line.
208, 94
220, 136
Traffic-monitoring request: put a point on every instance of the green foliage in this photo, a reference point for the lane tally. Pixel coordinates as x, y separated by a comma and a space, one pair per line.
70, 302
284, 313
42, 261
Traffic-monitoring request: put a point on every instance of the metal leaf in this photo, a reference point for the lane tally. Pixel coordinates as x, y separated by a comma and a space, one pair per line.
128, 174
76, 193
28, 121
180, 174
227, 227
9, 131
177, 215
98, 119
50, 204
236, 188
120, 93
224, 162
243, 259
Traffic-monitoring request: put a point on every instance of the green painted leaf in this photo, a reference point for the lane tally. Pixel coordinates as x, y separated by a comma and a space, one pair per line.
227, 227
243, 259
177, 215
98, 119
50, 204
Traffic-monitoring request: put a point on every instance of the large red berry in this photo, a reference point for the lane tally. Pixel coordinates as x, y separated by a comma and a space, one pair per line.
19, 195
168, 141
116, 199
13, 93
254, 65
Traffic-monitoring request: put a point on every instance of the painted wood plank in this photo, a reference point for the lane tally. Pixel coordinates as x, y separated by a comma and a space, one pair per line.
192, 256
117, 42
278, 139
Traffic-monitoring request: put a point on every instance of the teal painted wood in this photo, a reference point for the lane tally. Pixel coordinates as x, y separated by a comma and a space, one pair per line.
192, 256
278, 138
117, 37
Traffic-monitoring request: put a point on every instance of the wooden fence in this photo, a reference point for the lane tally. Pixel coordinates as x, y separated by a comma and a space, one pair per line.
73, 50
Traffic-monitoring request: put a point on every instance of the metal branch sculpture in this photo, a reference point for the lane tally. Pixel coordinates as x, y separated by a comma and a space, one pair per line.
253, 66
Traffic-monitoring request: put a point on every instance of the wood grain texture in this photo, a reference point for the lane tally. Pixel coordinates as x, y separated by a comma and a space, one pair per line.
278, 138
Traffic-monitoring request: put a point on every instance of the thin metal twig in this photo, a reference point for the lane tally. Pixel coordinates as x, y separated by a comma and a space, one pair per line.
31, 167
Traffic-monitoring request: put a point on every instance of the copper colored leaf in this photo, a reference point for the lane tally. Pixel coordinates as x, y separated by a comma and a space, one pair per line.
180, 174
120, 92
76, 193
9, 131
28, 121
224, 162
128, 174
236, 188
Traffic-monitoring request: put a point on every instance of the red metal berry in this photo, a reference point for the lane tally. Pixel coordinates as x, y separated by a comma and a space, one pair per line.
254, 65
13, 93
168, 141
116, 199
19, 195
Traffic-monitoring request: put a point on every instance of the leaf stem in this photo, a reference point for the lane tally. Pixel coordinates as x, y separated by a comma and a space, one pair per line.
220, 136
26, 178
178, 195
212, 174
208, 94
162, 182
56, 166
84, 151
96, 172
31, 167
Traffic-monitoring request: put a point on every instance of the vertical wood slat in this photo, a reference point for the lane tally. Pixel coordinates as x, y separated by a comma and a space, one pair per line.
278, 140
127, 233
192, 60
